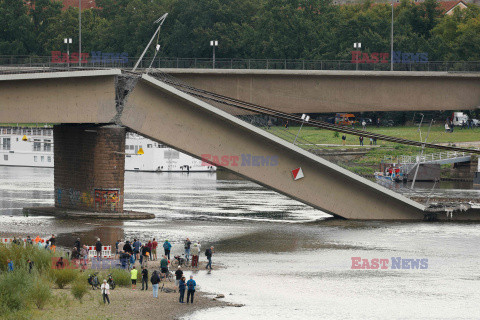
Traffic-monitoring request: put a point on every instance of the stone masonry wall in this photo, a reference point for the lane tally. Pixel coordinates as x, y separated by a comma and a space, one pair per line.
89, 167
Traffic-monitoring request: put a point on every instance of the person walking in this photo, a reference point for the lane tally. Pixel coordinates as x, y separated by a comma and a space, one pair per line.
181, 289
105, 287
209, 253
188, 243
154, 249
178, 275
167, 246
133, 277
145, 278
155, 280
191, 284
195, 252
98, 249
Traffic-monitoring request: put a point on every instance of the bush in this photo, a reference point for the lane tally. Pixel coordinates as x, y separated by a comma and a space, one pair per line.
14, 286
336, 134
120, 276
40, 292
62, 277
41, 258
79, 289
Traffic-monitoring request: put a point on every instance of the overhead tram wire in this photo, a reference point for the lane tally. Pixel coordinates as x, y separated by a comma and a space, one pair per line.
247, 106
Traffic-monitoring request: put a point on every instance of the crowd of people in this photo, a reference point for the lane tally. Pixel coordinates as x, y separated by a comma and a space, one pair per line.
128, 253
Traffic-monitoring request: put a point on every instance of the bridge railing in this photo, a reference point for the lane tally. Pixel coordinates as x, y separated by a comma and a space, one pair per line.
432, 157
222, 63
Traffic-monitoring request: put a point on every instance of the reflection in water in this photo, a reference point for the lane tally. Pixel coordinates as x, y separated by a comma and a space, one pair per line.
283, 259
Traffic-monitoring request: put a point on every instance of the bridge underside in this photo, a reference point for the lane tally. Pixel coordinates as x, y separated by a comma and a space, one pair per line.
306, 91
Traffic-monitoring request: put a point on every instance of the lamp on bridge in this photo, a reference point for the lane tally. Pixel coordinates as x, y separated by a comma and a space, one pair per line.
357, 45
213, 43
305, 118
68, 41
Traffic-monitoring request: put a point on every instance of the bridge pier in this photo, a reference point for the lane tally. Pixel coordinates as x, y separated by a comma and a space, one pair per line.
476, 178
89, 172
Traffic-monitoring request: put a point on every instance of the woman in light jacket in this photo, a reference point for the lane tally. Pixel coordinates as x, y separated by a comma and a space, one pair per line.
105, 291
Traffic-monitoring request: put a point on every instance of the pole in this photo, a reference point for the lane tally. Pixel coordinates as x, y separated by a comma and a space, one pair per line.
79, 33
421, 154
391, 43
68, 52
213, 65
298, 132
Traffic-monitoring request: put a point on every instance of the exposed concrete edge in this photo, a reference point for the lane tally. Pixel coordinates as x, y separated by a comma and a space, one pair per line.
64, 74
277, 140
415, 74
83, 214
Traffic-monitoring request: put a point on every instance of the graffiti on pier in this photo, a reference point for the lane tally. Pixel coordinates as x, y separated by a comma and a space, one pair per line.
74, 196
59, 196
107, 199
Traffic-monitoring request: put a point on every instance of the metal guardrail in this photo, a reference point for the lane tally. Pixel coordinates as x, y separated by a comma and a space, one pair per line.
432, 157
222, 63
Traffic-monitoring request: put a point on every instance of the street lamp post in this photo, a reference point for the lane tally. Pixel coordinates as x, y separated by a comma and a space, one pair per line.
79, 33
213, 43
357, 45
68, 41
305, 118
391, 43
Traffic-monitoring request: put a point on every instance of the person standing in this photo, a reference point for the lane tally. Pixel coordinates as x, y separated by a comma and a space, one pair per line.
116, 248
344, 139
133, 277
136, 248
98, 249
178, 275
77, 244
128, 247
364, 125
145, 278
361, 140
195, 252
30, 265
105, 287
167, 246
191, 284
149, 246
52, 241
29, 240
181, 289
9, 265
208, 253
84, 254
155, 280
164, 265
188, 243
154, 249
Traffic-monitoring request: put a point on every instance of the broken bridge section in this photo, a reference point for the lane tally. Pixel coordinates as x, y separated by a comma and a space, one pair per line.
167, 115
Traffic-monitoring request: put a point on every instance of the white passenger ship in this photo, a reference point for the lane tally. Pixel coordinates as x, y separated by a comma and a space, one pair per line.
37, 151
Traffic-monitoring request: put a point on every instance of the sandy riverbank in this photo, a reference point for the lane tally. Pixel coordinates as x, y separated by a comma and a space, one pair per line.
128, 304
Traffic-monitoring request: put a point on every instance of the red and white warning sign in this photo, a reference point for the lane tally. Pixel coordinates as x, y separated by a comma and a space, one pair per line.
297, 173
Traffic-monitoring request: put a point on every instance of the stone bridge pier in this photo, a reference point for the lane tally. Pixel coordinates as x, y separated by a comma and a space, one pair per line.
89, 172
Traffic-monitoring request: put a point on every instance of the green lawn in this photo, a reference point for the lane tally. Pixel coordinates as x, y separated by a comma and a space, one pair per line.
437, 135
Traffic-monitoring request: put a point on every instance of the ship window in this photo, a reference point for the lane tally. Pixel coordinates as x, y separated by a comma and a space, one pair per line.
42, 158
9, 131
37, 146
5, 157
49, 159
47, 146
35, 158
149, 145
6, 144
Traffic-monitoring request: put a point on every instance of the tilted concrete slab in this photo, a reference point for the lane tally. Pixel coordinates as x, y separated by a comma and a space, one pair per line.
167, 115
297, 91
58, 97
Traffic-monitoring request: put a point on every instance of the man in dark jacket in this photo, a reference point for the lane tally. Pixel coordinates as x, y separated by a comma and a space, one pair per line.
155, 280
128, 248
178, 276
98, 248
208, 253
145, 278
78, 244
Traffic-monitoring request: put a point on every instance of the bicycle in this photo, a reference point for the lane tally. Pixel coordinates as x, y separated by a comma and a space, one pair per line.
180, 261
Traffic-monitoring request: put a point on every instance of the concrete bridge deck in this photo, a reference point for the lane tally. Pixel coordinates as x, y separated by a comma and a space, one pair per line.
188, 124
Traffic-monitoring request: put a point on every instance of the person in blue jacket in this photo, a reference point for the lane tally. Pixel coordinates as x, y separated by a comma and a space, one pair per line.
191, 284
181, 288
167, 247
9, 265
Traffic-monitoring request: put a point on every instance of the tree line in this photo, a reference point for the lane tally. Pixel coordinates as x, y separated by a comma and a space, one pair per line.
273, 29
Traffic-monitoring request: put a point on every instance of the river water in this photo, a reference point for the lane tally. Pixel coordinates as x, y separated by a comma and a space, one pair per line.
282, 259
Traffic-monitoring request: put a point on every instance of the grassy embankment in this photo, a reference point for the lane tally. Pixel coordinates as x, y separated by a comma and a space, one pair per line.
367, 164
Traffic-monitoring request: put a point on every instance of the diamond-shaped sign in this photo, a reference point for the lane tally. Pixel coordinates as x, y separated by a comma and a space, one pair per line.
297, 173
